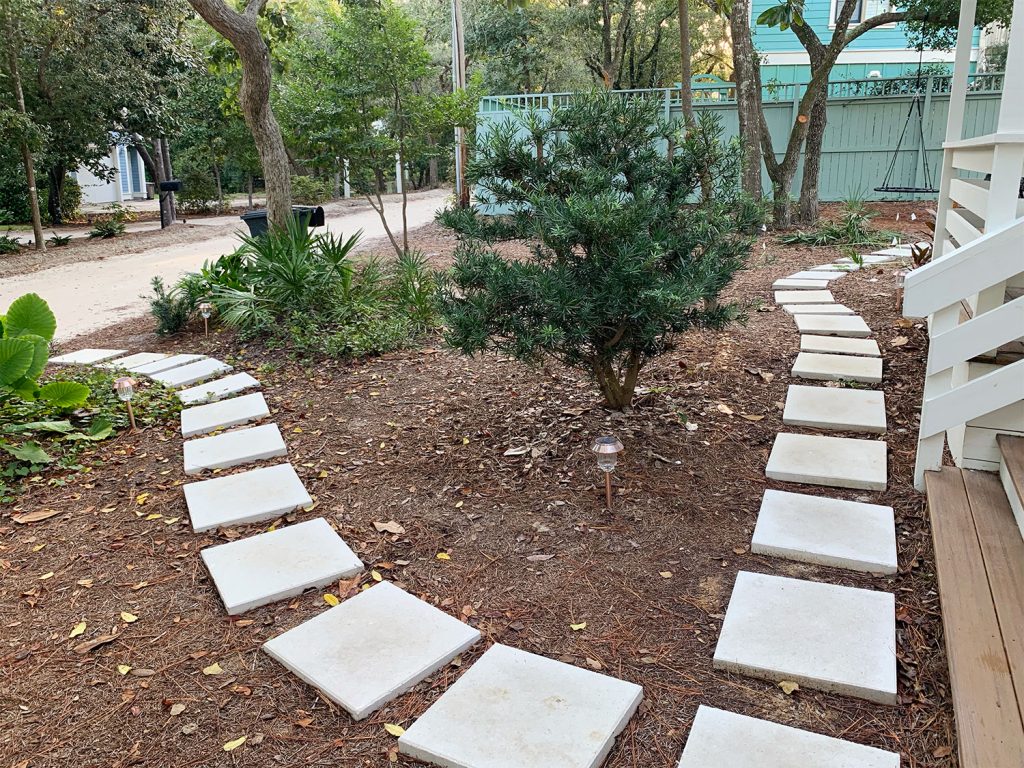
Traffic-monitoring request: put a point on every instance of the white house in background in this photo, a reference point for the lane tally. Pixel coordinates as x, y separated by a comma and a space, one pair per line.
127, 183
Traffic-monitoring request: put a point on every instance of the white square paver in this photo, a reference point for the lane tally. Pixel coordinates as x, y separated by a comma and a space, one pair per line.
835, 267
899, 251
86, 356
874, 258
822, 636
193, 373
840, 462
278, 564
840, 345
804, 297
174, 361
822, 367
245, 497
812, 274
828, 325
211, 391
720, 739
785, 283
514, 709
851, 410
818, 309
139, 358
233, 448
228, 413
372, 648
835, 532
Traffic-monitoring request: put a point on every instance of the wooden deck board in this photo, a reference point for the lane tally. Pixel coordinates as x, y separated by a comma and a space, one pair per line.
989, 725
1012, 450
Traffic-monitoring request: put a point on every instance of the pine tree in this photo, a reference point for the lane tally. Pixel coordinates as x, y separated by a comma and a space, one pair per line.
627, 249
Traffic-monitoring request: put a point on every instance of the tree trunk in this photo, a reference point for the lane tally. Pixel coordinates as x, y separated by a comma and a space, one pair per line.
55, 175
249, 189
14, 74
748, 84
808, 213
617, 384
220, 187
405, 204
241, 31
686, 61
154, 162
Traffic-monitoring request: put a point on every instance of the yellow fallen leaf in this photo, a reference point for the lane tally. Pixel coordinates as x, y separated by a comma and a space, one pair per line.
459, 505
171, 520
123, 669
665, 574
723, 408
154, 516
323, 473
141, 498
297, 429
128, 618
78, 630
213, 669
394, 730
578, 627
788, 686
234, 743
465, 441
38, 547
375, 575
440, 556
331, 599
84, 583
47, 575
751, 416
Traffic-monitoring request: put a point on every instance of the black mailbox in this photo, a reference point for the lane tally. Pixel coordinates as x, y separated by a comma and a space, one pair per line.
173, 185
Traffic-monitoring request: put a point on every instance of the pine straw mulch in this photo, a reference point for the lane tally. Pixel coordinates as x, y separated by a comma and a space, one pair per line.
420, 438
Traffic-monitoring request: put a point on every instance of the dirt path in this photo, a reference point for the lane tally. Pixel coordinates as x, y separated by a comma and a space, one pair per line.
108, 287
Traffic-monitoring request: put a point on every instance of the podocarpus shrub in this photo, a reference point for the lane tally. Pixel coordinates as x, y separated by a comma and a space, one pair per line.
309, 190
629, 247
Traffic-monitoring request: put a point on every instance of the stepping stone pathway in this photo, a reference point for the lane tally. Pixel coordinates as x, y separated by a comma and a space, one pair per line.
233, 448
840, 462
514, 709
280, 564
219, 388
86, 356
833, 325
804, 297
372, 648
882, 257
833, 532
787, 283
846, 410
139, 358
166, 364
818, 309
228, 413
245, 497
835, 268
823, 367
811, 274
720, 739
192, 373
840, 345
821, 636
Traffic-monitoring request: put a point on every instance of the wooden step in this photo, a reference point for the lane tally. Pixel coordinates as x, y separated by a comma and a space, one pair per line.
1011, 473
979, 557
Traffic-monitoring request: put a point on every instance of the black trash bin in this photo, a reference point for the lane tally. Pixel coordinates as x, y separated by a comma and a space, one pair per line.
311, 216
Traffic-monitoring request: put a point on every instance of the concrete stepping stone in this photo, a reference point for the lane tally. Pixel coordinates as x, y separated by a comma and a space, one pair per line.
229, 413
818, 309
824, 367
823, 531
804, 297
86, 356
810, 274
821, 636
193, 373
720, 739
245, 497
837, 325
514, 709
899, 251
174, 361
835, 267
839, 345
233, 448
840, 462
372, 648
785, 283
873, 258
849, 410
217, 389
278, 564
139, 358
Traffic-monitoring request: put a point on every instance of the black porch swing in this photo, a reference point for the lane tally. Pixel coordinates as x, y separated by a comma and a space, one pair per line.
916, 105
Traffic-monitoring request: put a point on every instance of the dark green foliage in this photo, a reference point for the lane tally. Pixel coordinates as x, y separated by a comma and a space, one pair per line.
853, 227
309, 190
9, 244
105, 229
629, 249
174, 308
58, 241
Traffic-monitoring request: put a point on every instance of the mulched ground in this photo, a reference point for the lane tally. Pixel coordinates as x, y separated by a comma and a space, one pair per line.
420, 438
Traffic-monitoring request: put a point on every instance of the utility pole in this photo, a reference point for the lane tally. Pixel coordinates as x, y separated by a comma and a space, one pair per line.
459, 84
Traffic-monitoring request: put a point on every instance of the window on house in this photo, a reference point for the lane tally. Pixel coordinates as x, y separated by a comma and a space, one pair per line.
865, 9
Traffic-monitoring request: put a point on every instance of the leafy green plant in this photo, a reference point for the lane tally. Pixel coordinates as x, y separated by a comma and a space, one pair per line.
105, 229
173, 308
27, 330
853, 227
9, 244
58, 241
309, 190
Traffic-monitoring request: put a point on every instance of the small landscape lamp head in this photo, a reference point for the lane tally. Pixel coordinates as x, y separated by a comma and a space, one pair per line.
206, 309
125, 389
607, 450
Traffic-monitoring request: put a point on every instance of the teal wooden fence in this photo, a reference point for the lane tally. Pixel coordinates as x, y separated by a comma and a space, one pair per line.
865, 120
